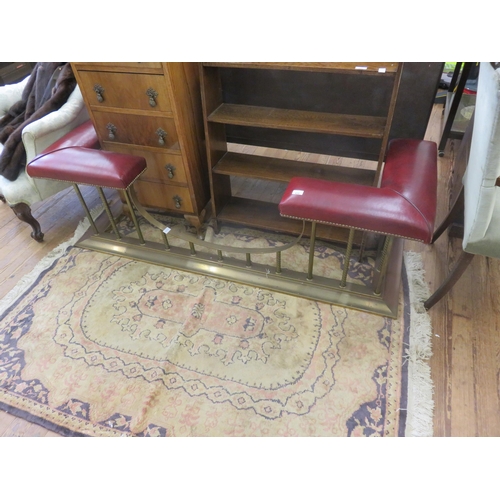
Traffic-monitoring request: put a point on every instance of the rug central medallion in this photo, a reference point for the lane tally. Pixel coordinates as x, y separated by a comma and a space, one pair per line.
228, 342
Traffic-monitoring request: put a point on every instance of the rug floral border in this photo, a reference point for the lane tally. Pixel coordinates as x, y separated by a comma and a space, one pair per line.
27, 407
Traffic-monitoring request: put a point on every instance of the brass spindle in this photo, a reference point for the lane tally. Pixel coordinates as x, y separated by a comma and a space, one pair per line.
165, 240
108, 211
347, 258
134, 218
278, 262
380, 245
249, 260
311, 251
87, 211
384, 262
219, 255
191, 246
362, 247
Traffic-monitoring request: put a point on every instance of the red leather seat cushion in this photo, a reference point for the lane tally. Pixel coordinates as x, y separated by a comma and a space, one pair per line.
404, 205
81, 165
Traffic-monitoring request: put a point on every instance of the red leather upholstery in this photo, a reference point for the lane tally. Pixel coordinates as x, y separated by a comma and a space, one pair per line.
81, 165
404, 205
411, 171
84, 135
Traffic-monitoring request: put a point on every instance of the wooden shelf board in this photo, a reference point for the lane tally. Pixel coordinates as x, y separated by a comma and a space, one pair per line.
338, 67
278, 169
298, 120
265, 215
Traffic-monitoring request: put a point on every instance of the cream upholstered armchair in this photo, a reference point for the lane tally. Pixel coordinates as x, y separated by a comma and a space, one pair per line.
481, 182
26, 191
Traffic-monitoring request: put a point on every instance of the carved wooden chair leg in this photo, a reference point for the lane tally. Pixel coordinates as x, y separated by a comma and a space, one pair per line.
459, 268
23, 212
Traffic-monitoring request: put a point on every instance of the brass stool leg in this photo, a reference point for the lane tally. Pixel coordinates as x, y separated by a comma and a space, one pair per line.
108, 211
347, 258
165, 240
134, 218
380, 244
311, 251
384, 263
84, 205
362, 247
278, 262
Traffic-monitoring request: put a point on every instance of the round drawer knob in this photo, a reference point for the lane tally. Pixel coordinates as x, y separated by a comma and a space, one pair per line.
177, 201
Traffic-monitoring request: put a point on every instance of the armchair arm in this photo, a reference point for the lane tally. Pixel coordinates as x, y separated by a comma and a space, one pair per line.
10, 94
42, 133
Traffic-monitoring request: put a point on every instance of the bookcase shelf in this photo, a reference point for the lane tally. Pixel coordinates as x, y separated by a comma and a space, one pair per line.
300, 114
303, 121
282, 170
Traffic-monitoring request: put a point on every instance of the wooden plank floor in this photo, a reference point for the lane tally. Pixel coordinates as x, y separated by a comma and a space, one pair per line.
465, 364
466, 338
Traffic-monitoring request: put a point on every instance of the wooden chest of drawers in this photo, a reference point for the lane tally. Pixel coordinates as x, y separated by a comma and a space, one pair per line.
153, 110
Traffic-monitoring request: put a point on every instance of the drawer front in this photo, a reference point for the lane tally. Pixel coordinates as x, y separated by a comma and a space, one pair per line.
163, 196
142, 130
125, 90
164, 167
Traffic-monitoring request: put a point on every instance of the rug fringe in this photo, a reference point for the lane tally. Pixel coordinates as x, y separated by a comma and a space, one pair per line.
26, 281
420, 390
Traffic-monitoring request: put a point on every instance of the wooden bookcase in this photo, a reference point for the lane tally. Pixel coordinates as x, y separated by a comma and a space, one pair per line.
280, 104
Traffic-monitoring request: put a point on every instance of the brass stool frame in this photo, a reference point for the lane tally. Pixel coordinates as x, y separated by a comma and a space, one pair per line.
381, 298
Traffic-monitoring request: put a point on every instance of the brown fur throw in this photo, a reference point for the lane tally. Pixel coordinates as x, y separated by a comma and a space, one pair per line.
47, 89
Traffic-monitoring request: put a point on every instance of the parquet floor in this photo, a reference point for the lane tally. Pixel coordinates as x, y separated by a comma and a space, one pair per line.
466, 335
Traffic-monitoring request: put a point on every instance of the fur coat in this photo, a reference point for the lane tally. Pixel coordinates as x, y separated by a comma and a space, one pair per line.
47, 89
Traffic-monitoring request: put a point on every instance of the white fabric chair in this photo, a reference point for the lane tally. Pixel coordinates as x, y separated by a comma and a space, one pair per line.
481, 181
481, 189
25, 191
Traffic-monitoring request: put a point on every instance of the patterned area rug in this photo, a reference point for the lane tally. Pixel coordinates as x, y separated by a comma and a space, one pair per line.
96, 345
